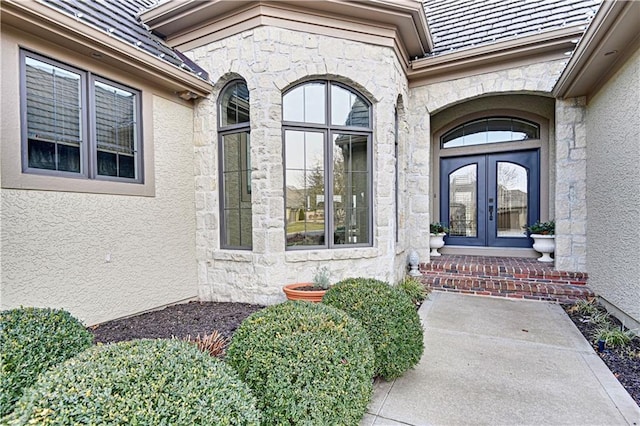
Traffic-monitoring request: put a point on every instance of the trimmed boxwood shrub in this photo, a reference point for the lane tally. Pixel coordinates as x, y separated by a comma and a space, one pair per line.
390, 318
307, 363
31, 341
138, 382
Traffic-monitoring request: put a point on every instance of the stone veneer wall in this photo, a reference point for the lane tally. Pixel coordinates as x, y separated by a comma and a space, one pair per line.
270, 60
571, 185
538, 78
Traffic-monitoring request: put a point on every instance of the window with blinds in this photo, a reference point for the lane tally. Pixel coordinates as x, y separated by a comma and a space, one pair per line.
78, 124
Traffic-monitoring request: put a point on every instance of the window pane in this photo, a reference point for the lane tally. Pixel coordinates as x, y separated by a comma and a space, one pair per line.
305, 104
347, 108
512, 199
116, 130
463, 204
491, 130
350, 189
305, 188
236, 190
234, 105
54, 116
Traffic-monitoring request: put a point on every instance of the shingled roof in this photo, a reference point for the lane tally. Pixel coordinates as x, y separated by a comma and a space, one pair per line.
460, 24
120, 19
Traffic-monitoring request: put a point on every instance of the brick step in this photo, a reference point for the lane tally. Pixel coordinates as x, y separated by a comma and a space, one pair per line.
502, 268
549, 291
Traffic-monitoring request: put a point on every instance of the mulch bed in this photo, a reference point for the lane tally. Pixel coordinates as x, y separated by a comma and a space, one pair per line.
199, 318
624, 362
188, 319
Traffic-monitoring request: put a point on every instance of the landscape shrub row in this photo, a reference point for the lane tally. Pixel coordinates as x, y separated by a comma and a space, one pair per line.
293, 363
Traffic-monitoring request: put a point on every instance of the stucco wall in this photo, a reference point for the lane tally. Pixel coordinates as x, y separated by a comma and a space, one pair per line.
270, 60
613, 189
107, 256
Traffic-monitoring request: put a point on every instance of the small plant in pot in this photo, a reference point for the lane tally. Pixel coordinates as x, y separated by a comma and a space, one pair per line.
438, 231
543, 235
310, 291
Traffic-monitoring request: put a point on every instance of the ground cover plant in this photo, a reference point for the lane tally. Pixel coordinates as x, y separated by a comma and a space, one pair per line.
622, 351
390, 318
31, 341
139, 382
413, 288
307, 363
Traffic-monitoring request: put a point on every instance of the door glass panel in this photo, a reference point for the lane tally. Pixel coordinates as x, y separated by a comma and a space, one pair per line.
463, 202
512, 208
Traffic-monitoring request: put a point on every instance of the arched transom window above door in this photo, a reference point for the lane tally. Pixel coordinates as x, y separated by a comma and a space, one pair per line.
327, 146
490, 130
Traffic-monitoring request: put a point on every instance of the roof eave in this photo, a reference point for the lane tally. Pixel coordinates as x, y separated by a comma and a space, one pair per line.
172, 18
58, 27
548, 45
611, 37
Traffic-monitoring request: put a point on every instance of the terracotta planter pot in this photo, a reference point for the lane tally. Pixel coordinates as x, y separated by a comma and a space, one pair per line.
290, 290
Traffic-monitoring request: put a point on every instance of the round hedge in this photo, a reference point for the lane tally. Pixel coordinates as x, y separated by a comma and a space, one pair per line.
139, 382
31, 341
307, 363
390, 318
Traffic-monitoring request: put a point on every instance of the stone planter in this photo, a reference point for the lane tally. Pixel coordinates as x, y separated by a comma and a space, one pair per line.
436, 241
545, 245
292, 292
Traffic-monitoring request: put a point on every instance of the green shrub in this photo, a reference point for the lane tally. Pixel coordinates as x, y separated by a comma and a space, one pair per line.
139, 382
614, 336
390, 318
31, 341
306, 362
413, 288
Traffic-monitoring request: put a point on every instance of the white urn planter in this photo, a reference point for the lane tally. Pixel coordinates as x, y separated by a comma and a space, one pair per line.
436, 241
545, 245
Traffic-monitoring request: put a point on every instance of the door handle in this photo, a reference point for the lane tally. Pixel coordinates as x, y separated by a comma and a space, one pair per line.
490, 212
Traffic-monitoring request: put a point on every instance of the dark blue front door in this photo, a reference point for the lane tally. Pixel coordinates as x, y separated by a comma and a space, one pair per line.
486, 200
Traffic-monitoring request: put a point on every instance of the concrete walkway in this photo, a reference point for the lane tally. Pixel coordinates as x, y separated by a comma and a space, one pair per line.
495, 361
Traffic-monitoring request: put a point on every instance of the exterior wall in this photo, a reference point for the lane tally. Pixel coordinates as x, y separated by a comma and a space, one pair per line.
100, 256
613, 190
270, 60
467, 94
571, 186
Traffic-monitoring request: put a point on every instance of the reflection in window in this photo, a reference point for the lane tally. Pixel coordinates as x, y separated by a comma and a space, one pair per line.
490, 130
327, 166
235, 159
513, 199
463, 204
79, 123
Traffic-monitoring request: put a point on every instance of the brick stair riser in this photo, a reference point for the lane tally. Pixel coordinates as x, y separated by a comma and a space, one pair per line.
541, 297
567, 277
538, 279
505, 288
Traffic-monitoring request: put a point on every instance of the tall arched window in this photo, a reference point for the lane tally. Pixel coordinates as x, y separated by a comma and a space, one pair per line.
327, 144
235, 166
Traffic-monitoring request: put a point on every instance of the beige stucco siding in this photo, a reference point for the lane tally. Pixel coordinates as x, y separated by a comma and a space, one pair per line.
613, 189
99, 255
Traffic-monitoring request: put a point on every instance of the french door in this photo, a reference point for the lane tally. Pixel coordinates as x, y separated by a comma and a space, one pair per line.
486, 200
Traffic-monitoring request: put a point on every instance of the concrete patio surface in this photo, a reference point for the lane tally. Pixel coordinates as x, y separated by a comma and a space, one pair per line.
497, 361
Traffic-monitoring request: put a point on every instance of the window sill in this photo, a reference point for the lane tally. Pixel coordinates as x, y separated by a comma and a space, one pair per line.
27, 181
335, 254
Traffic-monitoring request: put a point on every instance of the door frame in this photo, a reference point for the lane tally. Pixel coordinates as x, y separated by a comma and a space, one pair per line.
542, 144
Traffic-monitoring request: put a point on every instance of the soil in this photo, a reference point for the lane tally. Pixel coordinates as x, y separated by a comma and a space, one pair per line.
199, 318
188, 319
624, 362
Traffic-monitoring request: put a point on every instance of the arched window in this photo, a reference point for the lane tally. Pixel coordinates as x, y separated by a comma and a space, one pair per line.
490, 130
235, 166
327, 145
